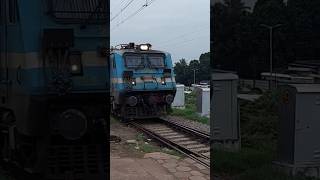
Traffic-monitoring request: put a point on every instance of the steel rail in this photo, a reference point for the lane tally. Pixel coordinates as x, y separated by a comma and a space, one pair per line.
204, 160
201, 134
191, 131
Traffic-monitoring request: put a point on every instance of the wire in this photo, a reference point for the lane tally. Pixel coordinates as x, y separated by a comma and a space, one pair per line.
122, 9
183, 42
182, 36
118, 4
135, 13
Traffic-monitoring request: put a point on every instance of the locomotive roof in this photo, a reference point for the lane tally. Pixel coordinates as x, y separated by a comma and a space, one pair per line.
122, 51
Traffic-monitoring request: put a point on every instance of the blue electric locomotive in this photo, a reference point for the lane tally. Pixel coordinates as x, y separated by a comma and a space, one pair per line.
142, 81
53, 85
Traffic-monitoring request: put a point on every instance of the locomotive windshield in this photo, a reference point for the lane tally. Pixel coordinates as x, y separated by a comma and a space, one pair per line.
156, 61
144, 61
134, 61
78, 11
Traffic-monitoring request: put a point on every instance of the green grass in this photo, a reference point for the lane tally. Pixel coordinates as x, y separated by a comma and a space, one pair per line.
249, 164
233, 163
259, 136
268, 172
190, 112
113, 120
4, 177
149, 147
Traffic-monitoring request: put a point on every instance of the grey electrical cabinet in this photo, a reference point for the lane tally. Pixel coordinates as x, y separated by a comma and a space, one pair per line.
179, 98
224, 107
299, 127
203, 101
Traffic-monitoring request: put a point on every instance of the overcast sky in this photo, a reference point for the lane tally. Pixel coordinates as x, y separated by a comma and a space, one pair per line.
180, 27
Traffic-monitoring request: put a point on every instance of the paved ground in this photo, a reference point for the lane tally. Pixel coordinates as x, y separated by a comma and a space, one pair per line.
157, 166
137, 169
130, 164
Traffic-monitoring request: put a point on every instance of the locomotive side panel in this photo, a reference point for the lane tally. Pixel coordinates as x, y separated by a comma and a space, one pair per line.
31, 63
54, 75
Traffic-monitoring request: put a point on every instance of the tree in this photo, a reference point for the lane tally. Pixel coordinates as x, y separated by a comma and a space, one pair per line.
185, 72
194, 67
304, 24
227, 30
204, 70
180, 71
270, 12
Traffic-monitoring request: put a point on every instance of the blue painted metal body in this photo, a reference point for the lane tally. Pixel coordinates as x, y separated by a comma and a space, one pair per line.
149, 85
117, 73
25, 69
53, 86
24, 38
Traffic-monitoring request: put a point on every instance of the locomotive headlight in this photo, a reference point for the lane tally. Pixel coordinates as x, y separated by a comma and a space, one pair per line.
145, 47
163, 81
75, 63
133, 83
74, 68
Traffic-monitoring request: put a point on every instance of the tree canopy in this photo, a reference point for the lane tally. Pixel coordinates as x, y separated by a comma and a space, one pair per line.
185, 71
241, 44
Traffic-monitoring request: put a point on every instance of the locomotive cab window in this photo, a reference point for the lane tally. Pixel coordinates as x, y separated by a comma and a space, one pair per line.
134, 61
9, 12
156, 61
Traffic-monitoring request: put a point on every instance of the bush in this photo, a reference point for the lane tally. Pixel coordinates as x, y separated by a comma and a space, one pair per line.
190, 111
233, 163
259, 122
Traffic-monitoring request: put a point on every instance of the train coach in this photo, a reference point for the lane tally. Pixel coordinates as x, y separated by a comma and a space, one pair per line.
53, 86
142, 82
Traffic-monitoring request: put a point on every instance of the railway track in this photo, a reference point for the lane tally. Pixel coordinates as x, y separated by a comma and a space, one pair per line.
184, 139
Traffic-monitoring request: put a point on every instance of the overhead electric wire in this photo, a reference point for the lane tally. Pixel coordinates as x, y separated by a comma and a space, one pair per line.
116, 5
183, 42
135, 13
122, 9
182, 36
119, 4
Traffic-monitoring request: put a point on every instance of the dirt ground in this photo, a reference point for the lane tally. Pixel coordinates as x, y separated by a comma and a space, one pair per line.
132, 160
125, 133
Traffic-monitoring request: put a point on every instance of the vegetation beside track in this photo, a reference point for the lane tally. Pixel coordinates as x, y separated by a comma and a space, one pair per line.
189, 112
145, 145
259, 122
3, 175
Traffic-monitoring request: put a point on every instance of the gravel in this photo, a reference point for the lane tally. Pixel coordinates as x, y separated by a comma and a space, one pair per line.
193, 124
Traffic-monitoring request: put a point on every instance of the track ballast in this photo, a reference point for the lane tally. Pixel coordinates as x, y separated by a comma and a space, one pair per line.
186, 140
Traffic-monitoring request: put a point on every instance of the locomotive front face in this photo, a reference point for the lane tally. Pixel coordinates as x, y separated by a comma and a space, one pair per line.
53, 68
143, 82
52, 51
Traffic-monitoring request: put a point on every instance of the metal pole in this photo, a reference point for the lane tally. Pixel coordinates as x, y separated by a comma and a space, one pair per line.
271, 53
194, 76
271, 63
